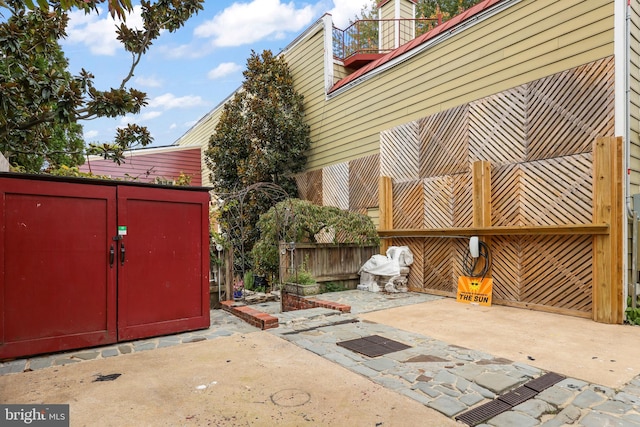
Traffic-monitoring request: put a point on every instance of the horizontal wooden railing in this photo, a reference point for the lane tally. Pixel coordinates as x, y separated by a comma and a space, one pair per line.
578, 229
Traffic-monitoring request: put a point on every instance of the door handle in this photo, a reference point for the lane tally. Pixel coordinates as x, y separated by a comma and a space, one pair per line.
112, 255
122, 253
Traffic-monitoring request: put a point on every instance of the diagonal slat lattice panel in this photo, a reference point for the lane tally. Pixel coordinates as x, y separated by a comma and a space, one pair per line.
302, 183
506, 269
462, 199
335, 186
569, 110
400, 152
438, 264
444, 142
438, 205
459, 249
507, 195
558, 191
314, 191
408, 201
497, 129
364, 174
567, 265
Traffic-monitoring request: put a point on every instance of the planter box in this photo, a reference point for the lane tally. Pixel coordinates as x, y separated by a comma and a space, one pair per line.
302, 290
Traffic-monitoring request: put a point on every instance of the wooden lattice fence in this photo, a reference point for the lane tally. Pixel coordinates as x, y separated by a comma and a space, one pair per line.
327, 263
538, 139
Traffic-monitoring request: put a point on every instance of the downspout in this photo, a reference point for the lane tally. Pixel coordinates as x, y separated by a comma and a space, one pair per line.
627, 128
627, 101
627, 157
622, 27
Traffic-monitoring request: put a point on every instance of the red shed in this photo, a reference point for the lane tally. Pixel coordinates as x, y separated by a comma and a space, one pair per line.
87, 262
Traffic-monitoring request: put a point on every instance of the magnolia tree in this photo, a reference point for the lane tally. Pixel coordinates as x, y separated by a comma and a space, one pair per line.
261, 138
42, 103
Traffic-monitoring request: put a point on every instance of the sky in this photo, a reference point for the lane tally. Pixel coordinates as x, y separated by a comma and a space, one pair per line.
189, 72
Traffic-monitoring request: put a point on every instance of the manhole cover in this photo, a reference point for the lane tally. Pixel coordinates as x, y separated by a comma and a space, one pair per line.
373, 345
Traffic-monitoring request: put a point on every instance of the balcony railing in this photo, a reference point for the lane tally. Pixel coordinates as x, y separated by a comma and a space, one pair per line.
364, 36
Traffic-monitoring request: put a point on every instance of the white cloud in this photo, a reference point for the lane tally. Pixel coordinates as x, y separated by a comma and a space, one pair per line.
244, 23
173, 126
129, 118
150, 81
223, 70
189, 51
346, 10
149, 115
98, 31
91, 134
169, 101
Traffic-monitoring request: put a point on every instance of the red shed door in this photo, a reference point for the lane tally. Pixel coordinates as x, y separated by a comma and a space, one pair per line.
57, 289
164, 278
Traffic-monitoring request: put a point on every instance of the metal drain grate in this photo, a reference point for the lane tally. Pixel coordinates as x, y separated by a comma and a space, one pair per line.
544, 382
484, 412
508, 400
517, 396
373, 345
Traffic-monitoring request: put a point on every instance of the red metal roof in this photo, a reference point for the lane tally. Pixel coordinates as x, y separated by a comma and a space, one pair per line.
478, 8
148, 163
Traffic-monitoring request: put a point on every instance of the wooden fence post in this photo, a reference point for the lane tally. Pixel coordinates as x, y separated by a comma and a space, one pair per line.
482, 198
481, 193
607, 286
385, 190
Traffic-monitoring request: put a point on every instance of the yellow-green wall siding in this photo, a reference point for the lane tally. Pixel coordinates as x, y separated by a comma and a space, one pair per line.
529, 40
525, 42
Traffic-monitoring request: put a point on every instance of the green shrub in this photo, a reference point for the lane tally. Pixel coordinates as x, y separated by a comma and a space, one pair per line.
333, 287
295, 220
248, 280
302, 277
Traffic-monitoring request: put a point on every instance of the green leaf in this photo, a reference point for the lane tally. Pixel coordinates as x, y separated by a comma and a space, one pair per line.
42, 101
